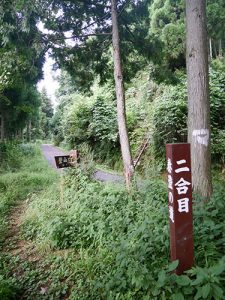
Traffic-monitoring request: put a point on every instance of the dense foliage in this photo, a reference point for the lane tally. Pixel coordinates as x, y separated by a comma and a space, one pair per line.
121, 241
22, 58
170, 115
95, 241
23, 172
160, 109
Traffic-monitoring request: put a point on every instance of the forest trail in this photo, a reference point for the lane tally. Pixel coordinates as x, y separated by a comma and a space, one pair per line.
50, 151
15, 244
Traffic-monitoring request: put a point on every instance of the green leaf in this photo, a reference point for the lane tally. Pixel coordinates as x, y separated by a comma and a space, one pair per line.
178, 296
161, 278
173, 265
198, 280
218, 269
183, 280
206, 290
198, 294
217, 292
156, 292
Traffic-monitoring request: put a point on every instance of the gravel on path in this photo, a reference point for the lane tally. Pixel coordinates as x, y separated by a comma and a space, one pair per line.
51, 151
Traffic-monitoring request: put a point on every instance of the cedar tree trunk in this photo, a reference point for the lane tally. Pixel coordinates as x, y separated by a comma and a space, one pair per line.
198, 96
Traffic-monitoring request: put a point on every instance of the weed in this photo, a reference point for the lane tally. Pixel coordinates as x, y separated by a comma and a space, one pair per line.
122, 241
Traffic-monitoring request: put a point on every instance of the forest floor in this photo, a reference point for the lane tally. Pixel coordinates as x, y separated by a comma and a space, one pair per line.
38, 269
28, 264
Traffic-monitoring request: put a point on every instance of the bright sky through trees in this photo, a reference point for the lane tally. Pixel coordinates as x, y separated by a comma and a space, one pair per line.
49, 82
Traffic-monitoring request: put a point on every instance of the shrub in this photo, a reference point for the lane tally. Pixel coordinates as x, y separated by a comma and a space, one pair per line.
170, 116
10, 156
121, 240
8, 289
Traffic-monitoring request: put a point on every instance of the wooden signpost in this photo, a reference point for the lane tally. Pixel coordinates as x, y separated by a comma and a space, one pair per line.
180, 205
65, 161
62, 161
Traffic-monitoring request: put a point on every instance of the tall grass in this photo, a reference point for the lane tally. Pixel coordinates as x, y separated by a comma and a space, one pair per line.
118, 243
100, 242
23, 173
31, 175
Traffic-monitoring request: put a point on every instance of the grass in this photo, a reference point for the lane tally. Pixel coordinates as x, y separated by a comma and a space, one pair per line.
107, 169
19, 181
86, 240
114, 245
32, 176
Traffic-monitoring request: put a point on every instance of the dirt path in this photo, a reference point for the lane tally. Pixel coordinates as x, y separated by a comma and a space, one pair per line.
50, 151
14, 244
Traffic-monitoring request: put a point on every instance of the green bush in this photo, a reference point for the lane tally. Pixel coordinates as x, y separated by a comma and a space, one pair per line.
10, 156
76, 125
170, 116
8, 289
121, 241
94, 124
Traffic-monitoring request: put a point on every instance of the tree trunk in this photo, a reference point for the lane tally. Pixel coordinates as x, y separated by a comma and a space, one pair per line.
29, 131
220, 49
120, 95
210, 49
198, 96
21, 134
2, 127
214, 49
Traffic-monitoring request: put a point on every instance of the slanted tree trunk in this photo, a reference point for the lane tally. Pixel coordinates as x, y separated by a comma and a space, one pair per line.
120, 95
198, 96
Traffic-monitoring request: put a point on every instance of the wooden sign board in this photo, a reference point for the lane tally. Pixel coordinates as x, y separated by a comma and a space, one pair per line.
180, 205
62, 161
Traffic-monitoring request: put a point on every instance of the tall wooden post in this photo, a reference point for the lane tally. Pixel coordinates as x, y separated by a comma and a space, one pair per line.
180, 205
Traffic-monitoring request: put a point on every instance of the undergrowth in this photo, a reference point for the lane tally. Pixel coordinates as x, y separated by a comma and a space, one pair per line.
97, 241
118, 243
24, 172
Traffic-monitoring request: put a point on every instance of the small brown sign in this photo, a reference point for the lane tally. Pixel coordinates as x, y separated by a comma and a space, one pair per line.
180, 205
62, 161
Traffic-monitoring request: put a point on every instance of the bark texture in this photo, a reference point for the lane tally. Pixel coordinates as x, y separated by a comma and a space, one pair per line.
198, 96
120, 95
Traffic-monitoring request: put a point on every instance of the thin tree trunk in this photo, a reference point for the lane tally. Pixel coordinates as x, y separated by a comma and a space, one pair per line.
120, 95
210, 49
21, 134
198, 96
29, 131
214, 48
220, 48
2, 127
